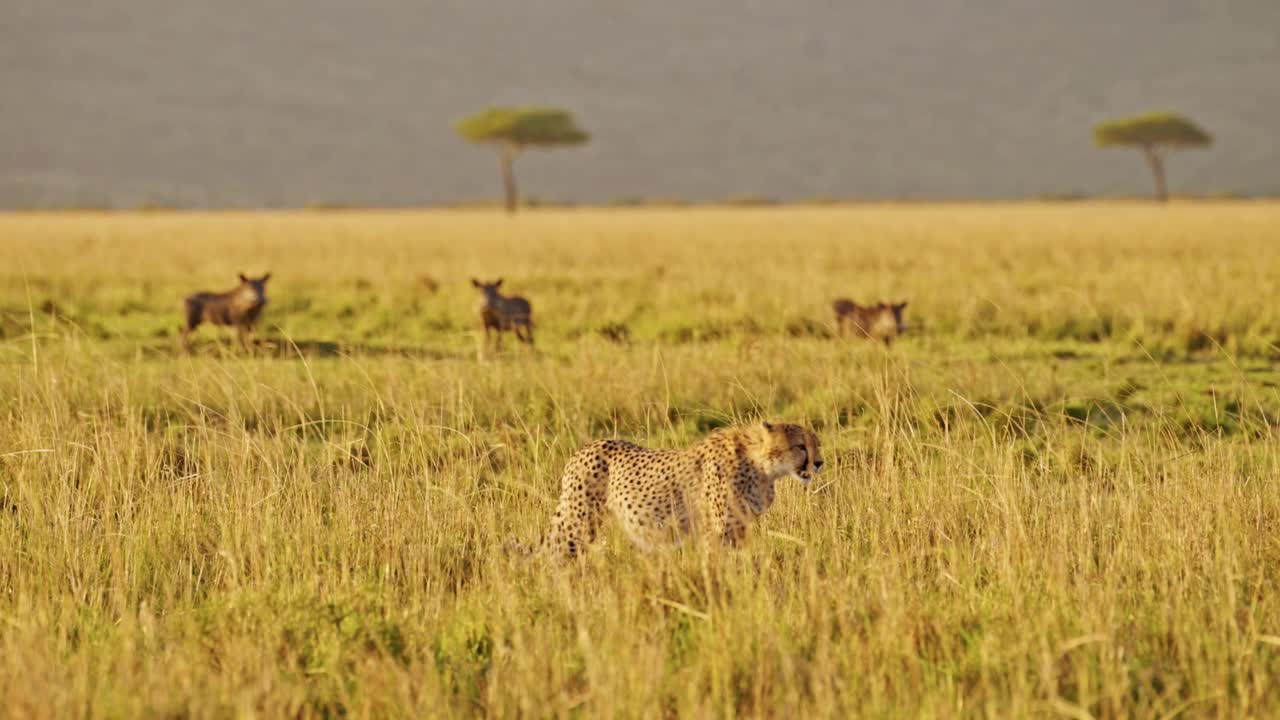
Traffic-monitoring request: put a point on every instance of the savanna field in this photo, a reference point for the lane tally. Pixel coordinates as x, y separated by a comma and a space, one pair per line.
1057, 495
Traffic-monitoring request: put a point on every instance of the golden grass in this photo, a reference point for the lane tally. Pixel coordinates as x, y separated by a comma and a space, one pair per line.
1058, 496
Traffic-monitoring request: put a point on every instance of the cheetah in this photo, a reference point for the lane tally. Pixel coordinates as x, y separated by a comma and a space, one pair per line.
712, 489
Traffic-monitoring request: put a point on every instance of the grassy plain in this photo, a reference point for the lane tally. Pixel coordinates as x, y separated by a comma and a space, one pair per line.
1059, 495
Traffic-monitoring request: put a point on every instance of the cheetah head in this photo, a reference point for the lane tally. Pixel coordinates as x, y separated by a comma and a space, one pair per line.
790, 450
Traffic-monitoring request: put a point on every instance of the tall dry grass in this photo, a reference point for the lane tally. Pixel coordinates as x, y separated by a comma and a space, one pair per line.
1059, 495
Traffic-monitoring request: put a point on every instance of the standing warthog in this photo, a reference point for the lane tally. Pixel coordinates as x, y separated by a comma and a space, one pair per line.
239, 307
882, 321
504, 312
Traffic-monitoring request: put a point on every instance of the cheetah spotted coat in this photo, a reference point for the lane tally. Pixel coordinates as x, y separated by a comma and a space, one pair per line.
712, 489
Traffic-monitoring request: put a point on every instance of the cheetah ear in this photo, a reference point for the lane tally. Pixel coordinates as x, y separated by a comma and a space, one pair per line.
768, 426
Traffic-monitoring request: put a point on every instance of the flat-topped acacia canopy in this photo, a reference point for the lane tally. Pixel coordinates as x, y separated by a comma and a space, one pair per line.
1165, 129
522, 126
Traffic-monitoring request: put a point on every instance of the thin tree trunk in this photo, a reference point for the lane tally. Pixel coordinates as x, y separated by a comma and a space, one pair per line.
1156, 163
506, 159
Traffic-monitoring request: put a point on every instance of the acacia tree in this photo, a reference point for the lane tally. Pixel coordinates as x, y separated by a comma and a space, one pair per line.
1154, 134
512, 130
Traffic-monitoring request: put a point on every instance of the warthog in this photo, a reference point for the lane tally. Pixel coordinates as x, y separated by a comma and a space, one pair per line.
882, 321
239, 307
504, 312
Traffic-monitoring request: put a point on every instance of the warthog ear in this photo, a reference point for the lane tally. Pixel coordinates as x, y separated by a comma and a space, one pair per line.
902, 304
498, 283
475, 282
267, 276
243, 279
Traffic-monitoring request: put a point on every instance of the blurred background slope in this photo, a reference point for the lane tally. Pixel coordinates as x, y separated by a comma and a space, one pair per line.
291, 103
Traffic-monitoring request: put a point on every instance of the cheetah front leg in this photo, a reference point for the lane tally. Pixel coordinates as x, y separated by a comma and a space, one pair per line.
583, 489
724, 520
725, 530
